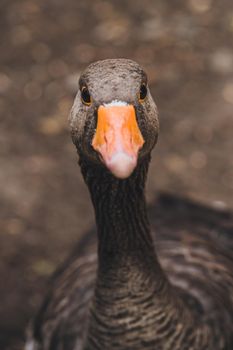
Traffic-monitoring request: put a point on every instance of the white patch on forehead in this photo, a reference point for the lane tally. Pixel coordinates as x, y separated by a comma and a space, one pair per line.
30, 345
115, 103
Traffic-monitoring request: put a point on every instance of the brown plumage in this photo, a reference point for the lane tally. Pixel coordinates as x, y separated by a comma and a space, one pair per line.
134, 287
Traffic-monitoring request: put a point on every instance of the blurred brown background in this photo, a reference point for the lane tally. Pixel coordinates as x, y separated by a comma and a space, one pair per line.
186, 46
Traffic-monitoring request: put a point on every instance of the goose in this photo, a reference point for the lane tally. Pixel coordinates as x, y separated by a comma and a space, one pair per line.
129, 286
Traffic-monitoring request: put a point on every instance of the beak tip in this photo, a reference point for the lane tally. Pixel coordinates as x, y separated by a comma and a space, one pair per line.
121, 165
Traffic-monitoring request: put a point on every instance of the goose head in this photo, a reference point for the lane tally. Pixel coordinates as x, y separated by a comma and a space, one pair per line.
114, 119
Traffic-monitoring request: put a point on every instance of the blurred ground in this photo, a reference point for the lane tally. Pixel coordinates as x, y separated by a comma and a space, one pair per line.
186, 48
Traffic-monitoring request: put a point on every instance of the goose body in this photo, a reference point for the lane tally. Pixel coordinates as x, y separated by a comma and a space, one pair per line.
129, 286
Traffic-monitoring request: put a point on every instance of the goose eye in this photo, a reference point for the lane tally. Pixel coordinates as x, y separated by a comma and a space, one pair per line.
85, 96
142, 93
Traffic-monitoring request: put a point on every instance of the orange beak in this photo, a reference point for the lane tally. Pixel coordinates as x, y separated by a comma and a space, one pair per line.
118, 139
